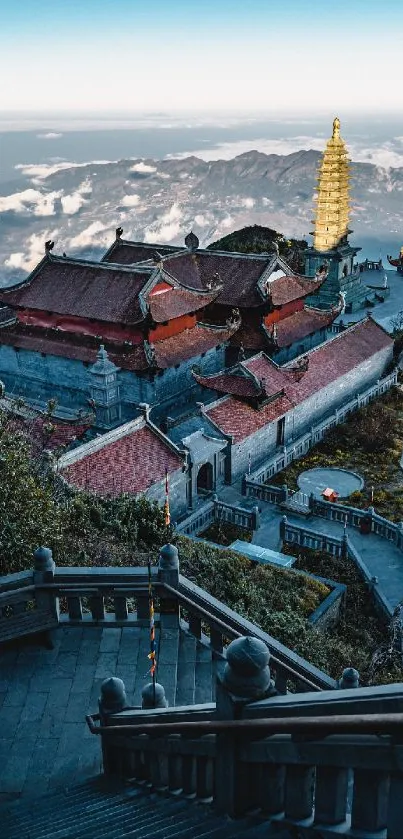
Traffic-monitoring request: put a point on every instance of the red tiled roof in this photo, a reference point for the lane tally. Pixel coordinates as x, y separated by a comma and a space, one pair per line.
128, 253
327, 363
85, 290
232, 383
130, 464
335, 358
286, 289
300, 324
189, 343
237, 274
168, 352
49, 433
176, 302
239, 420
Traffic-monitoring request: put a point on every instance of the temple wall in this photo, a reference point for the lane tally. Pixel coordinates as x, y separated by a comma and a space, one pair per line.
264, 442
34, 375
177, 493
339, 392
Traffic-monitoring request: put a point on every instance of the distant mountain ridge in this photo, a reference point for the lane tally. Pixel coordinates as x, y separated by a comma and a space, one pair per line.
161, 200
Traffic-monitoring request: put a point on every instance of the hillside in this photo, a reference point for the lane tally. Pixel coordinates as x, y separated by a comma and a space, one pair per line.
258, 239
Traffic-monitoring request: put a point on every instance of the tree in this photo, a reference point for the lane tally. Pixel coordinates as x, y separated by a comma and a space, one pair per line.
29, 516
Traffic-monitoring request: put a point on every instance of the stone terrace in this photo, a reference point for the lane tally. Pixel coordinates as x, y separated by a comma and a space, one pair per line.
45, 695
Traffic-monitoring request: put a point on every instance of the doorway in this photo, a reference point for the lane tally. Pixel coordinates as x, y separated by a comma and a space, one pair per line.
205, 478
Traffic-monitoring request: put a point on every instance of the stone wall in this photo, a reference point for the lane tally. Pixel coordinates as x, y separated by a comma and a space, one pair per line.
177, 493
259, 446
38, 376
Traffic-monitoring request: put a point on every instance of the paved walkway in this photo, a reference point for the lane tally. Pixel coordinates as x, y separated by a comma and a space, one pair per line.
381, 557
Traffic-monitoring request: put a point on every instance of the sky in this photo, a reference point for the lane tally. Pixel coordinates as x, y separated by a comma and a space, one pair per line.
136, 55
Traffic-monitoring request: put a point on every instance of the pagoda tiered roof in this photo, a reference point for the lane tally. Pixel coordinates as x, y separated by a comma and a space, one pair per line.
332, 201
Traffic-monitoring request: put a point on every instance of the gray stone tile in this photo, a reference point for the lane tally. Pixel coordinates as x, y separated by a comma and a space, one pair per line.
34, 707
43, 757
83, 679
110, 641
71, 640
2, 698
10, 719
66, 665
5, 746
16, 695
106, 665
59, 692
14, 776
88, 654
76, 708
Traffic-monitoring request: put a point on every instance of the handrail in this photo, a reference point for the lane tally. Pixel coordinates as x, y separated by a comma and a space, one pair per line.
235, 634
348, 724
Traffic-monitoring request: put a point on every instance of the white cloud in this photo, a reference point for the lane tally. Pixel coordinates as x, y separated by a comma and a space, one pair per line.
15, 260
143, 168
248, 203
130, 201
50, 135
34, 252
39, 171
201, 221
72, 203
91, 236
167, 227
30, 201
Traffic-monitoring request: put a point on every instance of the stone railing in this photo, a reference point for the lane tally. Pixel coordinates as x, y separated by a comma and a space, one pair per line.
368, 521
218, 511
340, 547
119, 597
315, 761
298, 448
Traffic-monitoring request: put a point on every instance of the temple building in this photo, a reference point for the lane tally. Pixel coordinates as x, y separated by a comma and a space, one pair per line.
252, 411
332, 257
130, 328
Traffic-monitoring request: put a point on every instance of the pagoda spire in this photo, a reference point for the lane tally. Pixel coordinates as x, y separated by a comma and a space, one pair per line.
332, 201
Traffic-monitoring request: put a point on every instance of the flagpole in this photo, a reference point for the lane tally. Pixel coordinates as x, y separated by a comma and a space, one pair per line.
151, 654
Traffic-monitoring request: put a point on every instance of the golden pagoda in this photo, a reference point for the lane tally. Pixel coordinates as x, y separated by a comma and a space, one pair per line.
332, 200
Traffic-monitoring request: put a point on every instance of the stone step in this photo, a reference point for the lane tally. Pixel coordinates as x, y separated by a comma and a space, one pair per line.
110, 809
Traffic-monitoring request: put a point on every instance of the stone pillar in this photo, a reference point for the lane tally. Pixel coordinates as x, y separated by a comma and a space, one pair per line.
44, 572
255, 518
168, 572
153, 696
350, 678
111, 701
284, 489
283, 524
344, 545
243, 484
245, 679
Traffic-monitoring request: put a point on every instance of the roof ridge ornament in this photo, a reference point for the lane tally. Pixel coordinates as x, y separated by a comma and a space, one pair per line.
119, 233
192, 242
49, 245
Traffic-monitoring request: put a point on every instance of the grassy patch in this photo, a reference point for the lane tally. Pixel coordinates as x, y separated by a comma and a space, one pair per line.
361, 631
370, 443
225, 533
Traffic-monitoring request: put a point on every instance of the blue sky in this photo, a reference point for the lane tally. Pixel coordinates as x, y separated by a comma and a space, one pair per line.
299, 55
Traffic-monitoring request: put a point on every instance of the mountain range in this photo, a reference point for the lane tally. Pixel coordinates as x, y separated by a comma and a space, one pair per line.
80, 205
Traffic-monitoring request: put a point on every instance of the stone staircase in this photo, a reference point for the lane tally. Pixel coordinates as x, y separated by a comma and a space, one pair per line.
45, 742
104, 808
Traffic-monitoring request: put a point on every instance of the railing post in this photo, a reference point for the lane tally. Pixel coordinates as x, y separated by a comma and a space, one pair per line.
112, 701
168, 572
44, 572
246, 678
153, 696
350, 678
255, 518
283, 525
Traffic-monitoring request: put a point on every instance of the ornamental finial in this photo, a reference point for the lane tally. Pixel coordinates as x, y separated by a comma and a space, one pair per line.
336, 128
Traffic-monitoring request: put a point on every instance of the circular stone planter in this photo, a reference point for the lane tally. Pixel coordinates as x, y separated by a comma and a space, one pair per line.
341, 480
